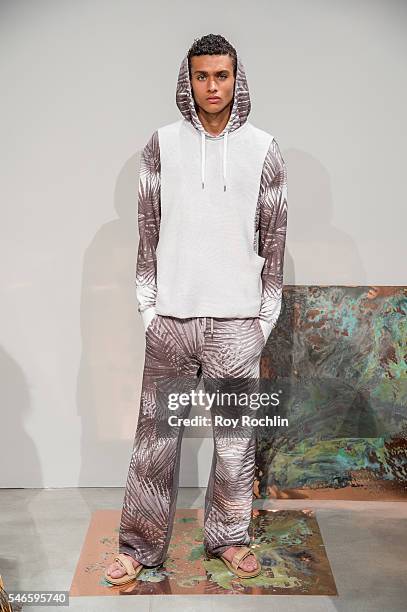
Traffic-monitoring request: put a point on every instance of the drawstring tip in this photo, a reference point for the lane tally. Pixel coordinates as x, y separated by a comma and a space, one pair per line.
202, 185
224, 187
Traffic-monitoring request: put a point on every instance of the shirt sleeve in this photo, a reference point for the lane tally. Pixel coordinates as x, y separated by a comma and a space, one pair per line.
149, 217
272, 224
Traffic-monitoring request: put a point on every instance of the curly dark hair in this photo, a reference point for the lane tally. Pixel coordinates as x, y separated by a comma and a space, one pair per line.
212, 44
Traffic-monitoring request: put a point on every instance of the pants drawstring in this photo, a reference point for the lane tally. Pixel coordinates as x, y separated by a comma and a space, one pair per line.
211, 325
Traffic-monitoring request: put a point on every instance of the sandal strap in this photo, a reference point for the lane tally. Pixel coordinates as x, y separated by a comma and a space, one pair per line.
240, 555
127, 564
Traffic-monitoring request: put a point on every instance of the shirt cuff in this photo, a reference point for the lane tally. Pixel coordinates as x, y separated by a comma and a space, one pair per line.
266, 328
147, 315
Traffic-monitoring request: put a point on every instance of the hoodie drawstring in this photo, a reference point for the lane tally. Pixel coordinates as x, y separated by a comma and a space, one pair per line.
203, 159
225, 149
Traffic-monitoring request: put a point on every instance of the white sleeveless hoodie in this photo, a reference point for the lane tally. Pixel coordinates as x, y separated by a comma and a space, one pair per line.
207, 264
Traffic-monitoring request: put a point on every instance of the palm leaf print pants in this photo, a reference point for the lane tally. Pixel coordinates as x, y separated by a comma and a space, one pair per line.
180, 351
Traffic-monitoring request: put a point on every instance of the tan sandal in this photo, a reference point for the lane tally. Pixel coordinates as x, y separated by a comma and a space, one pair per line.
132, 572
233, 566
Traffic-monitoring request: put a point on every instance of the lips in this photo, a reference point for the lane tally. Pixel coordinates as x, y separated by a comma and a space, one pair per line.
213, 99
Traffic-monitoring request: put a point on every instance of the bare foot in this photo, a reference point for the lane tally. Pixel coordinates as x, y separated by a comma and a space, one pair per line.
116, 570
248, 564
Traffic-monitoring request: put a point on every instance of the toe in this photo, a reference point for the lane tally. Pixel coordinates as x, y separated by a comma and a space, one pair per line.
115, 571
250, 563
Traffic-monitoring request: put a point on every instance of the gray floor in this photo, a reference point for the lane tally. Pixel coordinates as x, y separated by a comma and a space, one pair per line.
42, 532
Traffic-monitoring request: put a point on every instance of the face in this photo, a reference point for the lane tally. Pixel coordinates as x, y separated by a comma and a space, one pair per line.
212, 77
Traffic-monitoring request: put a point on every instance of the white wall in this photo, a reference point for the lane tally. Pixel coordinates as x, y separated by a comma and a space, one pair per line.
84, 85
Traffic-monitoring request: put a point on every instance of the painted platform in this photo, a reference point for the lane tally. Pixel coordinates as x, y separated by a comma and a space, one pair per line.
288, 543
338, 355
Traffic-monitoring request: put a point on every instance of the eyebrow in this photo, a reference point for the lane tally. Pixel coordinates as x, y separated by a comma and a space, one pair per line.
205, 72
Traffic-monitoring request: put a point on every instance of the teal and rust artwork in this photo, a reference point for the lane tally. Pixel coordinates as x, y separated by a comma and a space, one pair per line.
338, 360
288, 544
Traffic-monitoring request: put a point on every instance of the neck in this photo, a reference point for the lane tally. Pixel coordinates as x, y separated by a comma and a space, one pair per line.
214, 123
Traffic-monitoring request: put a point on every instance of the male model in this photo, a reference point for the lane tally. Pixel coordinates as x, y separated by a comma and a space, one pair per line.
209, 293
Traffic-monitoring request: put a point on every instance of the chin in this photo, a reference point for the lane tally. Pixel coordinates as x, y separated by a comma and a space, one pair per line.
214, 108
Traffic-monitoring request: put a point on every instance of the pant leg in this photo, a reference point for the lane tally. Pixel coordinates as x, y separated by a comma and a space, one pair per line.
233, 352
152, 481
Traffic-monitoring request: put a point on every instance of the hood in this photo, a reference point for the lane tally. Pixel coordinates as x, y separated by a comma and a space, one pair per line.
238, 116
